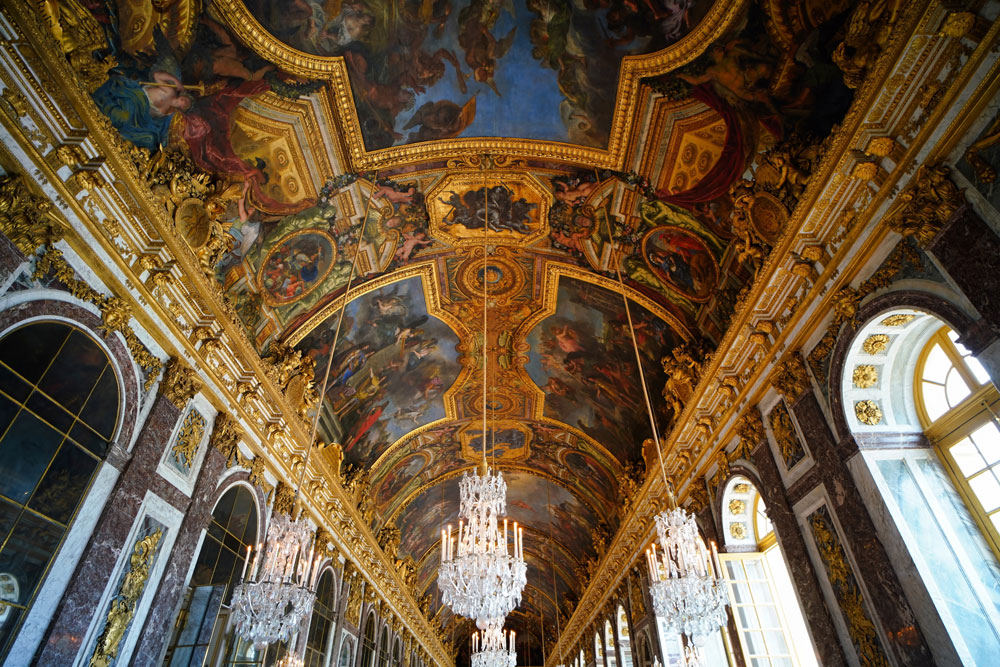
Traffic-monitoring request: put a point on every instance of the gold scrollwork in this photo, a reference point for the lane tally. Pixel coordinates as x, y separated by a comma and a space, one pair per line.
180, 383
790, 378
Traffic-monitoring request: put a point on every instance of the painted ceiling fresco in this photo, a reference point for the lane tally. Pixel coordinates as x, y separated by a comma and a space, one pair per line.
422, 71
674, 208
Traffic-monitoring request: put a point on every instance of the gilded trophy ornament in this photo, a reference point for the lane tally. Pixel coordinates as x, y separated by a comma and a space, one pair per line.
785, 436
188, 439
283, 500
26, 220
124, 603
226, 435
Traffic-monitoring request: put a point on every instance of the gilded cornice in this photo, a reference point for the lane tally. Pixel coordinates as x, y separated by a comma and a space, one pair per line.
120, 219
333, 70
837, 213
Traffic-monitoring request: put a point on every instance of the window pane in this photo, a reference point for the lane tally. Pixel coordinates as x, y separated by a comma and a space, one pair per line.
30, 349
967, 457
956, 390
982, 377
25, 452
49, 412
986, 488
101, 410
937, 365
28, 551
934, 400
73, 373
12, 385
987, 439
64, 483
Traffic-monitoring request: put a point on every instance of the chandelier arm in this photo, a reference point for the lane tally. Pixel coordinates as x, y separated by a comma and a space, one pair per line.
336, 335
638, 359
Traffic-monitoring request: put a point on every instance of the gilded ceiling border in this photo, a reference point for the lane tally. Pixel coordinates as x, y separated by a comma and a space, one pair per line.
332, 69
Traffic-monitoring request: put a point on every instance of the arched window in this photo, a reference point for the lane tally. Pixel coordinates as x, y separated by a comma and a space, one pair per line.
645, 654
954, 397
624, 641
771, 628
609, 644
321, 624
598, 652
368, 642
216, 572
583, 658
397, 653
921, 407
59, 409
383, 648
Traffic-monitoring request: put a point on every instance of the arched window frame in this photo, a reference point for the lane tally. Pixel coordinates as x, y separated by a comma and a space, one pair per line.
753, 557
624, 637
319, 641
43, 311
976, 411
610, 646
368, 645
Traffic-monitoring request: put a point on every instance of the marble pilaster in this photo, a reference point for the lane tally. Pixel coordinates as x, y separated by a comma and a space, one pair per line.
968, 249
800, 569
156, 632
888, 599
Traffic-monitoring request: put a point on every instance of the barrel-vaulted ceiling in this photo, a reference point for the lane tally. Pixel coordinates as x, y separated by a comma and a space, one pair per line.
584, 139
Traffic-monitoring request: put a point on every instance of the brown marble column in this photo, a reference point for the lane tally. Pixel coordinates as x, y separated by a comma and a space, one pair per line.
79, 604
898, 621
157, 629
969, 251
793, 547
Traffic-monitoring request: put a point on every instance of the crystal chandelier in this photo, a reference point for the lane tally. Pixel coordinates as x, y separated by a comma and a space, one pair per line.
684, 579
480, 577
270, 602
494, 648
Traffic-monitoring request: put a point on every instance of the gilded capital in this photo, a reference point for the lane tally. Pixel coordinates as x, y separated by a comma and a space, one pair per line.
226, 435
180, 383
26, 219
927, 203
790, 378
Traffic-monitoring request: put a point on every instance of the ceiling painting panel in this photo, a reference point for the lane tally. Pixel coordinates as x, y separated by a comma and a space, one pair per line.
391, 367
582, 358
430, 71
